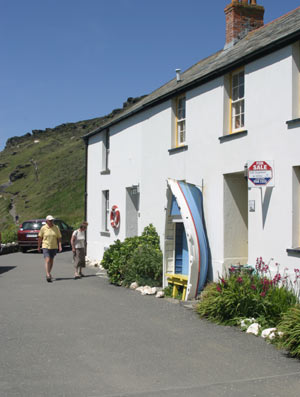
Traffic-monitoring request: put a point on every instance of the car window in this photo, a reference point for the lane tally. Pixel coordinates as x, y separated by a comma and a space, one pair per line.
32, 225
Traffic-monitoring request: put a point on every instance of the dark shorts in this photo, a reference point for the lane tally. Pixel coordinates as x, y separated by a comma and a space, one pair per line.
49, 253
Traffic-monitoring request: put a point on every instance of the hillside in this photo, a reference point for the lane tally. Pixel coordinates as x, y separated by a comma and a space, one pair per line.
43, 173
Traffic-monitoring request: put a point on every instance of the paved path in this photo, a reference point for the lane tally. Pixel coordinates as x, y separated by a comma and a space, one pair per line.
89, 338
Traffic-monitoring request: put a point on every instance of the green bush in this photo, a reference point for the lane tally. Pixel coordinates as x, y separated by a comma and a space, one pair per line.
290, 326
9, 235
136, 259
243, 295
144, 266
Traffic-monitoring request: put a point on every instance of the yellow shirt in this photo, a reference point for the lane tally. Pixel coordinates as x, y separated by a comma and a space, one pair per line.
49, 236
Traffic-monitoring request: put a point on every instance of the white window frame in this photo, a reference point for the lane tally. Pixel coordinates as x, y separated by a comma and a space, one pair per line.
180, 125
105, 151
105, 210
296, 208
296, 80
237, 101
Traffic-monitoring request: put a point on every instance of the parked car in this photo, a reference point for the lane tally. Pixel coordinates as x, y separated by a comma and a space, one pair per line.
29, 230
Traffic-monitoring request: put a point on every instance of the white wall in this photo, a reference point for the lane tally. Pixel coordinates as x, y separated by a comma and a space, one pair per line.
139, 155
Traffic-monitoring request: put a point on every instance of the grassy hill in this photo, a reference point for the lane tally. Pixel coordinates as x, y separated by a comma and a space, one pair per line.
43, 173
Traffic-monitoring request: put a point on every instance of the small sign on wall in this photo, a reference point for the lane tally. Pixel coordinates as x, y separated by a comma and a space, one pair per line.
251, 205
261, 173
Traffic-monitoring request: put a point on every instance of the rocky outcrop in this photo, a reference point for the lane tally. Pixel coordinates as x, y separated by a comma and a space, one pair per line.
17, 173
15, 140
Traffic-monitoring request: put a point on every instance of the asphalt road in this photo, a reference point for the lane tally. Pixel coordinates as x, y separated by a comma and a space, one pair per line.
88, 338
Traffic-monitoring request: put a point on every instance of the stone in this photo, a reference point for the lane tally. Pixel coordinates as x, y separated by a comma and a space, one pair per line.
247, 321
134, 285
93, 263
253, 329
146, 290
16, 175
160, 294
266, 333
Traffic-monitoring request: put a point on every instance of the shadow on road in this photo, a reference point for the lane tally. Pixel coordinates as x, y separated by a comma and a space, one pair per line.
72, 278
4, 269
35, 251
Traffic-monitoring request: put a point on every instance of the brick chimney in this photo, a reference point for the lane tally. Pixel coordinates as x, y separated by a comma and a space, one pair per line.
242, 16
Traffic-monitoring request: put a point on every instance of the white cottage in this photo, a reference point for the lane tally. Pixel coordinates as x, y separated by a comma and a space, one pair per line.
211, 158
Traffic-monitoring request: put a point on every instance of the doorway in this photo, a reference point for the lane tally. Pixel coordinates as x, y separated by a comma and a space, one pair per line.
181, 250
132, 210
235, 220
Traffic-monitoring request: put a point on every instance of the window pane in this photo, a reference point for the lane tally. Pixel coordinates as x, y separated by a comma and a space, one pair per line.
241, 78
242, 120
180, 115
241, 91
235, 80
236, 108
237, 122
181, 132
235, 95
181, 108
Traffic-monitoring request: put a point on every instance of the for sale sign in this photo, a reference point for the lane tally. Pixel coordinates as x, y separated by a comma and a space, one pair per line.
260, 173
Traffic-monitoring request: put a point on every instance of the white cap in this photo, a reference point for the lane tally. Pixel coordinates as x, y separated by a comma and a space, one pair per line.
49, 218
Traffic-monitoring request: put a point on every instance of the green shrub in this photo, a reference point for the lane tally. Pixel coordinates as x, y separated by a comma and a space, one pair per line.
168, 291
144, 266
138, 259
243, 295
9, 235
290, 326
115, 259
150, 236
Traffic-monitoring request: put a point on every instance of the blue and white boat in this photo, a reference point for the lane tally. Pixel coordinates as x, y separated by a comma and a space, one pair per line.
186, 247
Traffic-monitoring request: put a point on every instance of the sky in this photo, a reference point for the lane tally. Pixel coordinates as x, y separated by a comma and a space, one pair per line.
71, 60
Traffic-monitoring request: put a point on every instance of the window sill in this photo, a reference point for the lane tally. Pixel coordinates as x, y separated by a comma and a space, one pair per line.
293, 251
105, 172
293, 123
178, 149
232, 136
105, 234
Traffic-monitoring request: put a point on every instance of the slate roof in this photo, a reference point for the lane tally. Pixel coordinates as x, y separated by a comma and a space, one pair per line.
256, 44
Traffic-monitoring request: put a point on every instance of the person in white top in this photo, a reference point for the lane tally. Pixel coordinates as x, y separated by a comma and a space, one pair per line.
78, 248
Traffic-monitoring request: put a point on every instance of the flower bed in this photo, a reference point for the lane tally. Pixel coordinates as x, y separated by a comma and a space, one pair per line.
258, 297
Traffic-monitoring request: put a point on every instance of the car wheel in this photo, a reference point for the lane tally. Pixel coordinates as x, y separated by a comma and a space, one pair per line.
23, 249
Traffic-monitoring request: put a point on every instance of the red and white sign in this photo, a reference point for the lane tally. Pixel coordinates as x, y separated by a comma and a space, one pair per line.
260, 173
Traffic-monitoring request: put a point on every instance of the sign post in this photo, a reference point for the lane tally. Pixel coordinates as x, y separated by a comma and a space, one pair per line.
261, 173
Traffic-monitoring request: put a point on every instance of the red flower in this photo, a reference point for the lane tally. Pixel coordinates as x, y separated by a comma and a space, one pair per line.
239, 280
219, 289
253, 287
263, 294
